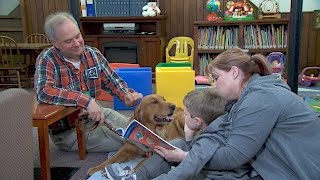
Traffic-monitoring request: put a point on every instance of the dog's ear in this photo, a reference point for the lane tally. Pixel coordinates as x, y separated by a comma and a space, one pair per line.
137, 114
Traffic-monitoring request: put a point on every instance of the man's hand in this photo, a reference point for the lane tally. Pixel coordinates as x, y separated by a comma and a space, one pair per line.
95, 112
176, 155
132, 98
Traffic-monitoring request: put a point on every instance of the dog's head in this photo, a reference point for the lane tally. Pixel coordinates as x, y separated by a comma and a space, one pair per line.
154, 110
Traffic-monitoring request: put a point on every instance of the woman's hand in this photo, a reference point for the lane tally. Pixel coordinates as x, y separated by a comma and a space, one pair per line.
176, 155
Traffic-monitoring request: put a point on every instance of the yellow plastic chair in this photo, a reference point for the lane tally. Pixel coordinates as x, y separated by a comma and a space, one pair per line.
184, 50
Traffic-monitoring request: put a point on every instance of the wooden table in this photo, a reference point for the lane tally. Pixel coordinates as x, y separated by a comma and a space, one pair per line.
33, 46
32, 49
43, 115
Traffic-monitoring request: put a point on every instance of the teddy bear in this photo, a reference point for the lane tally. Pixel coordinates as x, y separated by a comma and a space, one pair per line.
151, 9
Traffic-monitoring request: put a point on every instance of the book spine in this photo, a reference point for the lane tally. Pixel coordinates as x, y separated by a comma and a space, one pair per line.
90, 8
83, 7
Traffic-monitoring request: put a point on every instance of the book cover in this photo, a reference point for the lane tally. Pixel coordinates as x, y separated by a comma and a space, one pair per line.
143, 137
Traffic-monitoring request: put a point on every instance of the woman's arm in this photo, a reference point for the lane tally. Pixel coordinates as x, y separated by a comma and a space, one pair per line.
250, 124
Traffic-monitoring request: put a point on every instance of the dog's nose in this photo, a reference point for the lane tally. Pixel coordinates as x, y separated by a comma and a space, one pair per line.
172, 106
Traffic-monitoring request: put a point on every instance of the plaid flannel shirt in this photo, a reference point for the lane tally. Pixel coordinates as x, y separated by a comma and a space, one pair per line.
58, 82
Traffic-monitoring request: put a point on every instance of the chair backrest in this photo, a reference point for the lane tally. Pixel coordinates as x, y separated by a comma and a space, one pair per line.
183, 46
9, 52
16, 134
37, 38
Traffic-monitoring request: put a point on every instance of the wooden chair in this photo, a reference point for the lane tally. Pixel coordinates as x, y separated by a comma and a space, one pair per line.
184, 47
11, 64
37, 38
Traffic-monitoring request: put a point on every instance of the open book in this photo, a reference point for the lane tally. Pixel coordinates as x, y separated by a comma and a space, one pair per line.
143, 137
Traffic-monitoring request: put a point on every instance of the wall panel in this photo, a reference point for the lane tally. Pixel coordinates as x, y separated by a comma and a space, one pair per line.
40, 9
180, 17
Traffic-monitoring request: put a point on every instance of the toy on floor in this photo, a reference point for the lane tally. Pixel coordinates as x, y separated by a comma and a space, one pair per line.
312, 80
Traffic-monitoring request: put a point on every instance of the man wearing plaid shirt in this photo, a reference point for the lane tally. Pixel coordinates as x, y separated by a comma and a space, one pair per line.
72, 74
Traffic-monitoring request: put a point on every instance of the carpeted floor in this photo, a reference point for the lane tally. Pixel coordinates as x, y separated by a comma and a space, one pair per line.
71, 159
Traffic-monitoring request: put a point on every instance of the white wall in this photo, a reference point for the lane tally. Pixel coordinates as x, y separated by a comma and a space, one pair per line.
284, 5
6, 6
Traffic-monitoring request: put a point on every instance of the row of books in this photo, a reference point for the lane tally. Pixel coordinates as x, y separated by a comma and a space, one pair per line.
255, 36
204, 60
267, 36
112, 7
218, 37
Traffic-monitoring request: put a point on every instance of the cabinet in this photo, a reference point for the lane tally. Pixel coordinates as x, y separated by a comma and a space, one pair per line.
14, 23
257, 36
149, 37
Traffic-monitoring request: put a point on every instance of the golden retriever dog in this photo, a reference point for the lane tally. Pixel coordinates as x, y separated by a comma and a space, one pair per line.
162, 117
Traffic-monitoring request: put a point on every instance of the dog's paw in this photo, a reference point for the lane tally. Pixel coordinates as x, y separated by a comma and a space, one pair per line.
91, 171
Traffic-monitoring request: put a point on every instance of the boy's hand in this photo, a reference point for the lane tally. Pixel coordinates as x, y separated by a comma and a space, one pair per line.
176, 155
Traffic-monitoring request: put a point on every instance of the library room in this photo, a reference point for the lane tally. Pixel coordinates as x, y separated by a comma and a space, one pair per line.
159, 89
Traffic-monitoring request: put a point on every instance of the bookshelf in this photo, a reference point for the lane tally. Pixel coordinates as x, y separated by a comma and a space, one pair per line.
150, 46
257, 36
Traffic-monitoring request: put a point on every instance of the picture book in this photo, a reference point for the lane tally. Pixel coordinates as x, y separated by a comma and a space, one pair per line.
143, 137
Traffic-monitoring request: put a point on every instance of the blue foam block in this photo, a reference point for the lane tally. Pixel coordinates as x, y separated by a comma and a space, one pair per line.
139, 79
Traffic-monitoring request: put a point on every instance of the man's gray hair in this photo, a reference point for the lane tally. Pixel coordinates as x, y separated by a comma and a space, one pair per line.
54, 20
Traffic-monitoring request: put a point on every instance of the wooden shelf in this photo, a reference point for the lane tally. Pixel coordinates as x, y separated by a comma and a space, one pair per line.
122, 19
249, 50
244, 34
11, 29
94, 25
150, 47
121, 35
10, 17
241, 22
267, 50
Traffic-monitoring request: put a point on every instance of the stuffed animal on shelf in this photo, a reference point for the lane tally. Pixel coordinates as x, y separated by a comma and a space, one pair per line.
151, 9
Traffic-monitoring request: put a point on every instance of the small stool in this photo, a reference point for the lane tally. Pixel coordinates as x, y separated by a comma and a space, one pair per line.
104, 96
139, 79
173, 83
